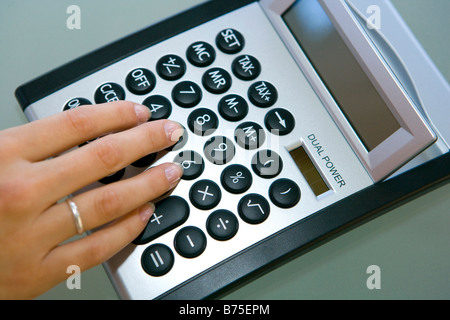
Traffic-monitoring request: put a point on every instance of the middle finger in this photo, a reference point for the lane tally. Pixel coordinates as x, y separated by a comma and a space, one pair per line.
96, 160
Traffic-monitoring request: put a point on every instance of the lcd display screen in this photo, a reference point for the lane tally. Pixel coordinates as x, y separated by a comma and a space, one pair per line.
350, 87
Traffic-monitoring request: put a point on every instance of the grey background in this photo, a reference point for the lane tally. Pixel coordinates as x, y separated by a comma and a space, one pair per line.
409, 244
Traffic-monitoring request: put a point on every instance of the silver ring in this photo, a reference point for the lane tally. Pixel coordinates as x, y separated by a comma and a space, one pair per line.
76, 216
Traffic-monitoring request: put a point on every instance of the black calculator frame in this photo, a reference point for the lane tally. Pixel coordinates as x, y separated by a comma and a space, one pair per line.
286, 244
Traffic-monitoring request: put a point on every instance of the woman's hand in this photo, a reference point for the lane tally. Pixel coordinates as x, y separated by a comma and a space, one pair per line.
36, 172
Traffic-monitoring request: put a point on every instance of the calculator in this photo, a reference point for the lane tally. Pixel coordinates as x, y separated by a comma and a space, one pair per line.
302, 119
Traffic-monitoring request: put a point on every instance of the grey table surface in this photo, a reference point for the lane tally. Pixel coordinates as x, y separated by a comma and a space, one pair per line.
410, 244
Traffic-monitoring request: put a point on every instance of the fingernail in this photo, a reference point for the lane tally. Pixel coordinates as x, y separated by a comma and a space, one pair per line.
174, 130
142, 112
147, 212
174, 171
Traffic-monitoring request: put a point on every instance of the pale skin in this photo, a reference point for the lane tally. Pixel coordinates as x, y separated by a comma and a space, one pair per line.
36, 172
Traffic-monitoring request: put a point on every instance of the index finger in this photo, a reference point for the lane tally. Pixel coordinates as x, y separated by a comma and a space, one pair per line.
55, 134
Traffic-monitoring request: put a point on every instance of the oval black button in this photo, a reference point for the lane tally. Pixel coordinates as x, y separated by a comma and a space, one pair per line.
169, 214
267, 164
230, 41
216, 80
76, 102
253, 208
222, 225
109, 92
159, 106
140, 81
157, 260
236, 178
187, 94
190, 242
201, 54
205, 194
284, 193
279, 121
203, 121
246, 67
219, 150
249, 135
233, 107
262, 94
192, 163
171, 67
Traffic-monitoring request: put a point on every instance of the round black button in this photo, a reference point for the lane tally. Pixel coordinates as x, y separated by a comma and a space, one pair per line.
267, 164
203, 121
187, 94
109, 92
249, 135
76, 102
279, 121
230, 41
262, 94
145, 161
236, 178
140, 81
205, 194
201, 54
171, 67
246, 67
222, 225
192, 164
284, 193
216, 80
233, 107
159, 106
157, 260
190, 242
113, 177
219, 150
253, 208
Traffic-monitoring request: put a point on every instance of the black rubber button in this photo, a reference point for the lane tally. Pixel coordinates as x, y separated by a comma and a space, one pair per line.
205, 194
169, 214
192, 164
284, 193
76, 102
145, 161
233, 107
109, 92
249, 135
219, 150
236, 178
246, 67
262, 94
157, 260
113, 177
171, 67
279, 121
230, 41
190, 242
216, 80
159, 106
187, 94
222, 225
203, 121
253, 208
140, 81
267, 164
201, 54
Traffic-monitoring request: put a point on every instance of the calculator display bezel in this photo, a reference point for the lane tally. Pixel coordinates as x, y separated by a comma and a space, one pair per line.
414, 134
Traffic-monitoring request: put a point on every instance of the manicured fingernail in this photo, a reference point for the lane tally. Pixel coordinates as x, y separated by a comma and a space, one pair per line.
174, 171
147, 212
174, 130
142, 112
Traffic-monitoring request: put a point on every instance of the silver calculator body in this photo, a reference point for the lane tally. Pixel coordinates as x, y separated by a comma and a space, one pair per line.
324, 148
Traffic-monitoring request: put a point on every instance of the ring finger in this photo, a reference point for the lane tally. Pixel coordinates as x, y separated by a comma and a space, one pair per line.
103, 205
